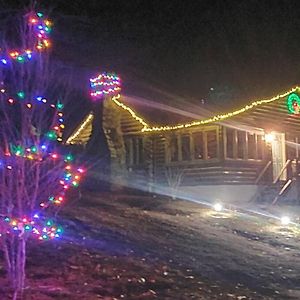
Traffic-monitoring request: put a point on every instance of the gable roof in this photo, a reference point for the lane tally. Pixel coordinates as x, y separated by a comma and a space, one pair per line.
264, 114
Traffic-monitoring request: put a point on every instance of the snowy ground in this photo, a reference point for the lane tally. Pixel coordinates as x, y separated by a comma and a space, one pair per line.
131, 247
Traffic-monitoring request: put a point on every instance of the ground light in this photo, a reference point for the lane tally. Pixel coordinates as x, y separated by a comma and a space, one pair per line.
218, 207
285, 220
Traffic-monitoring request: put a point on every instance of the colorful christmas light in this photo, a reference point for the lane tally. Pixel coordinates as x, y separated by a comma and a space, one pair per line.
58, 127
41, 28
37, 224
70, 177
104, 84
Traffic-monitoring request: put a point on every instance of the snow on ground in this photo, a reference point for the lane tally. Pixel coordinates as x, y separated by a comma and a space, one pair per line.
137, 247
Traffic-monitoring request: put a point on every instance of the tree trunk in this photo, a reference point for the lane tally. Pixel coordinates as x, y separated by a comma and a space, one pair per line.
15, 256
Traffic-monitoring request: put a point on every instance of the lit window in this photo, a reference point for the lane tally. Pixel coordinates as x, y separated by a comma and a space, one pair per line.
251, 146
198, 145
241, 141
185, 147
212, 145
173, 148
229, 142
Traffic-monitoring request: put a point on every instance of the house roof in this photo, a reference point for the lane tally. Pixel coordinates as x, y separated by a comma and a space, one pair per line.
258, 115
271, 112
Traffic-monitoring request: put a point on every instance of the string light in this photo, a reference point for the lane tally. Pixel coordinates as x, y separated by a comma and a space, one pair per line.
104, 84
147, 128
133, 114
58, 127
41, 30
43, 230
70, 176
82, 126
219, 117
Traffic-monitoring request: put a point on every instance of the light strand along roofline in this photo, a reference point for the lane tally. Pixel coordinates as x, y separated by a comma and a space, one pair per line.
79, 129
216, 118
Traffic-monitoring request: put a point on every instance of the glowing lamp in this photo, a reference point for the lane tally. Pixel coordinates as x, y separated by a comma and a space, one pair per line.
218, 207
285, 220
269, 137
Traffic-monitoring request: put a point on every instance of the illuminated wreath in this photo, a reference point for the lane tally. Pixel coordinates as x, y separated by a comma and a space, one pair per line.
293, 104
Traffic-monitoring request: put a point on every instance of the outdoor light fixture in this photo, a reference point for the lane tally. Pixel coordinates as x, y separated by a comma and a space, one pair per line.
285, 220
218, 207
269, 137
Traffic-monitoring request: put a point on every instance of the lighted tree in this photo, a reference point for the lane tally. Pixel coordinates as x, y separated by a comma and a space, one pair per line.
35, 174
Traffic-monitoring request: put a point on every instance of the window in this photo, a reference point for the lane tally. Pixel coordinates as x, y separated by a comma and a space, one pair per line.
138, 151
198, 145
244, 145
251, 146
173, 148
185, 147
134, 151
212, 144
241, 143
128, 149
229, 142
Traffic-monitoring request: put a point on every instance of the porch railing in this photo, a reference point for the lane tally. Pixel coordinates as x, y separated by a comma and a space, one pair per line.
281, 171
263, 171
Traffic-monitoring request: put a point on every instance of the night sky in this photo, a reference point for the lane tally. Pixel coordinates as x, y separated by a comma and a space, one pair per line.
220, 51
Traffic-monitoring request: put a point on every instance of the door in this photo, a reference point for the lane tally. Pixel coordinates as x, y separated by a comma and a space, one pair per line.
279, 156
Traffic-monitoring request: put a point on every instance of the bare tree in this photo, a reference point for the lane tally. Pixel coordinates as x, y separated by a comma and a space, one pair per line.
174, 178
34, 176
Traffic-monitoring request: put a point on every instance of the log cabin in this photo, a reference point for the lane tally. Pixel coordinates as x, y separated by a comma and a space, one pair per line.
227, 155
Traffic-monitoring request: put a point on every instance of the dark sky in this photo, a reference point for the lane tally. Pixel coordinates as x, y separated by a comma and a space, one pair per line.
241, 49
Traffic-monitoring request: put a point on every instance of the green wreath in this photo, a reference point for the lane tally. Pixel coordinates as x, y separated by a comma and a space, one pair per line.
293, 101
